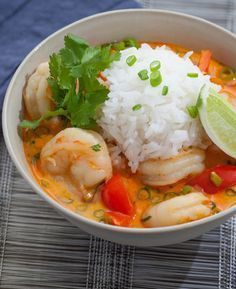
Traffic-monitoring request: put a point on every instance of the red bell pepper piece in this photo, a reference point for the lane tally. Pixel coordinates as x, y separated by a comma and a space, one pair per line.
226, 173
118, 219
116, 197
205, 60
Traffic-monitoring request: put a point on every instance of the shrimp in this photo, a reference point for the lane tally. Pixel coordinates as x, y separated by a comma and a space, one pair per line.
37, 93
156, 172
179, 210
80, 155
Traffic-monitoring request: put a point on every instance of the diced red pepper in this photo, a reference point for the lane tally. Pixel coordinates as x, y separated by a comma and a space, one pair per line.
227, 174
118, 219
205, 60
116, 197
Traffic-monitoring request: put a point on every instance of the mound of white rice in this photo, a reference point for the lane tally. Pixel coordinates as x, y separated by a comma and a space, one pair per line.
162, 127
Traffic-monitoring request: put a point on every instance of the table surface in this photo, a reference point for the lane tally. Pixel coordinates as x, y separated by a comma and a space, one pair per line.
40, 249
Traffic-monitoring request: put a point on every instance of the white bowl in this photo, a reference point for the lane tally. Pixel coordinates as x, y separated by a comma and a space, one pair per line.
146, 25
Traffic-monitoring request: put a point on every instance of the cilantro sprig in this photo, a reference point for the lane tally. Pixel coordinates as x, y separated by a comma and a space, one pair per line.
76, 91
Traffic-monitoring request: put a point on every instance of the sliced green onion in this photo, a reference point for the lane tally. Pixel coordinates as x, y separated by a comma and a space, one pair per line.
96, 147
131, 42
82, 207
44, 183
143, 74
170, 195
227, 73
155, 78
215, 179
165, 90
192, 111
192, 75
157, 199
118, 45
144, 193
98, 213
66, 200
155, 65
186, 190
136, 107
230, 192
145, 219
131, 60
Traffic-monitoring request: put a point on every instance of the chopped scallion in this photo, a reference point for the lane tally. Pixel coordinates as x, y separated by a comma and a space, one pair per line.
144, 193
136, 107
118, 45
227, 73
215, 179
186, 190
155, 78
96, 147
131, 60
192, 75
98, 213
192, 111
230, 192
155, 65
143, 74
165, 90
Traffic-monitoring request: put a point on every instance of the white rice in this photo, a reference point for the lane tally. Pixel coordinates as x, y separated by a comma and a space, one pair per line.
162, 127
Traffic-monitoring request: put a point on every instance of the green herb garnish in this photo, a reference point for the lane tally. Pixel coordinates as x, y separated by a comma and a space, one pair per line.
96, 147
131, 60
76, 92
143, 74
165, 90
33, 124
144, 193
215, 179
230, 192
131, 42
192, 75
227, 73
136, 107
99, 213
186, 190
155, 65
193, 109
155, 78
118, 45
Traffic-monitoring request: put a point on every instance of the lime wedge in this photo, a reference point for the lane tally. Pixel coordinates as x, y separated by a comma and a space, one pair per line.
218, 118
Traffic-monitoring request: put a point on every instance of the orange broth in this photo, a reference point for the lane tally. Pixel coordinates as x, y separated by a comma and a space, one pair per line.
141, 195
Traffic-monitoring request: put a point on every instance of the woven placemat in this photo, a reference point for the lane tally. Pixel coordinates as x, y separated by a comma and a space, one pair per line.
40, 249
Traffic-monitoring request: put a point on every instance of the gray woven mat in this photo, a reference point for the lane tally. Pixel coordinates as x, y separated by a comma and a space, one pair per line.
39, 249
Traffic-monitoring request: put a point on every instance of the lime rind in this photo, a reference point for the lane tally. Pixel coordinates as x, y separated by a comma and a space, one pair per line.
218, 118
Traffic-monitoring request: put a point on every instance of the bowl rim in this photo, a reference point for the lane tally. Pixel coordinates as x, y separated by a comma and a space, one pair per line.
65, 211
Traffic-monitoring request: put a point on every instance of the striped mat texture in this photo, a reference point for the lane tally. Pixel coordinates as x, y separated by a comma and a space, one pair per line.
39, 249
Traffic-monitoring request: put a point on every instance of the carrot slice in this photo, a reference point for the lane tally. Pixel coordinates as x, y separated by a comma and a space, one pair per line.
205, 60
